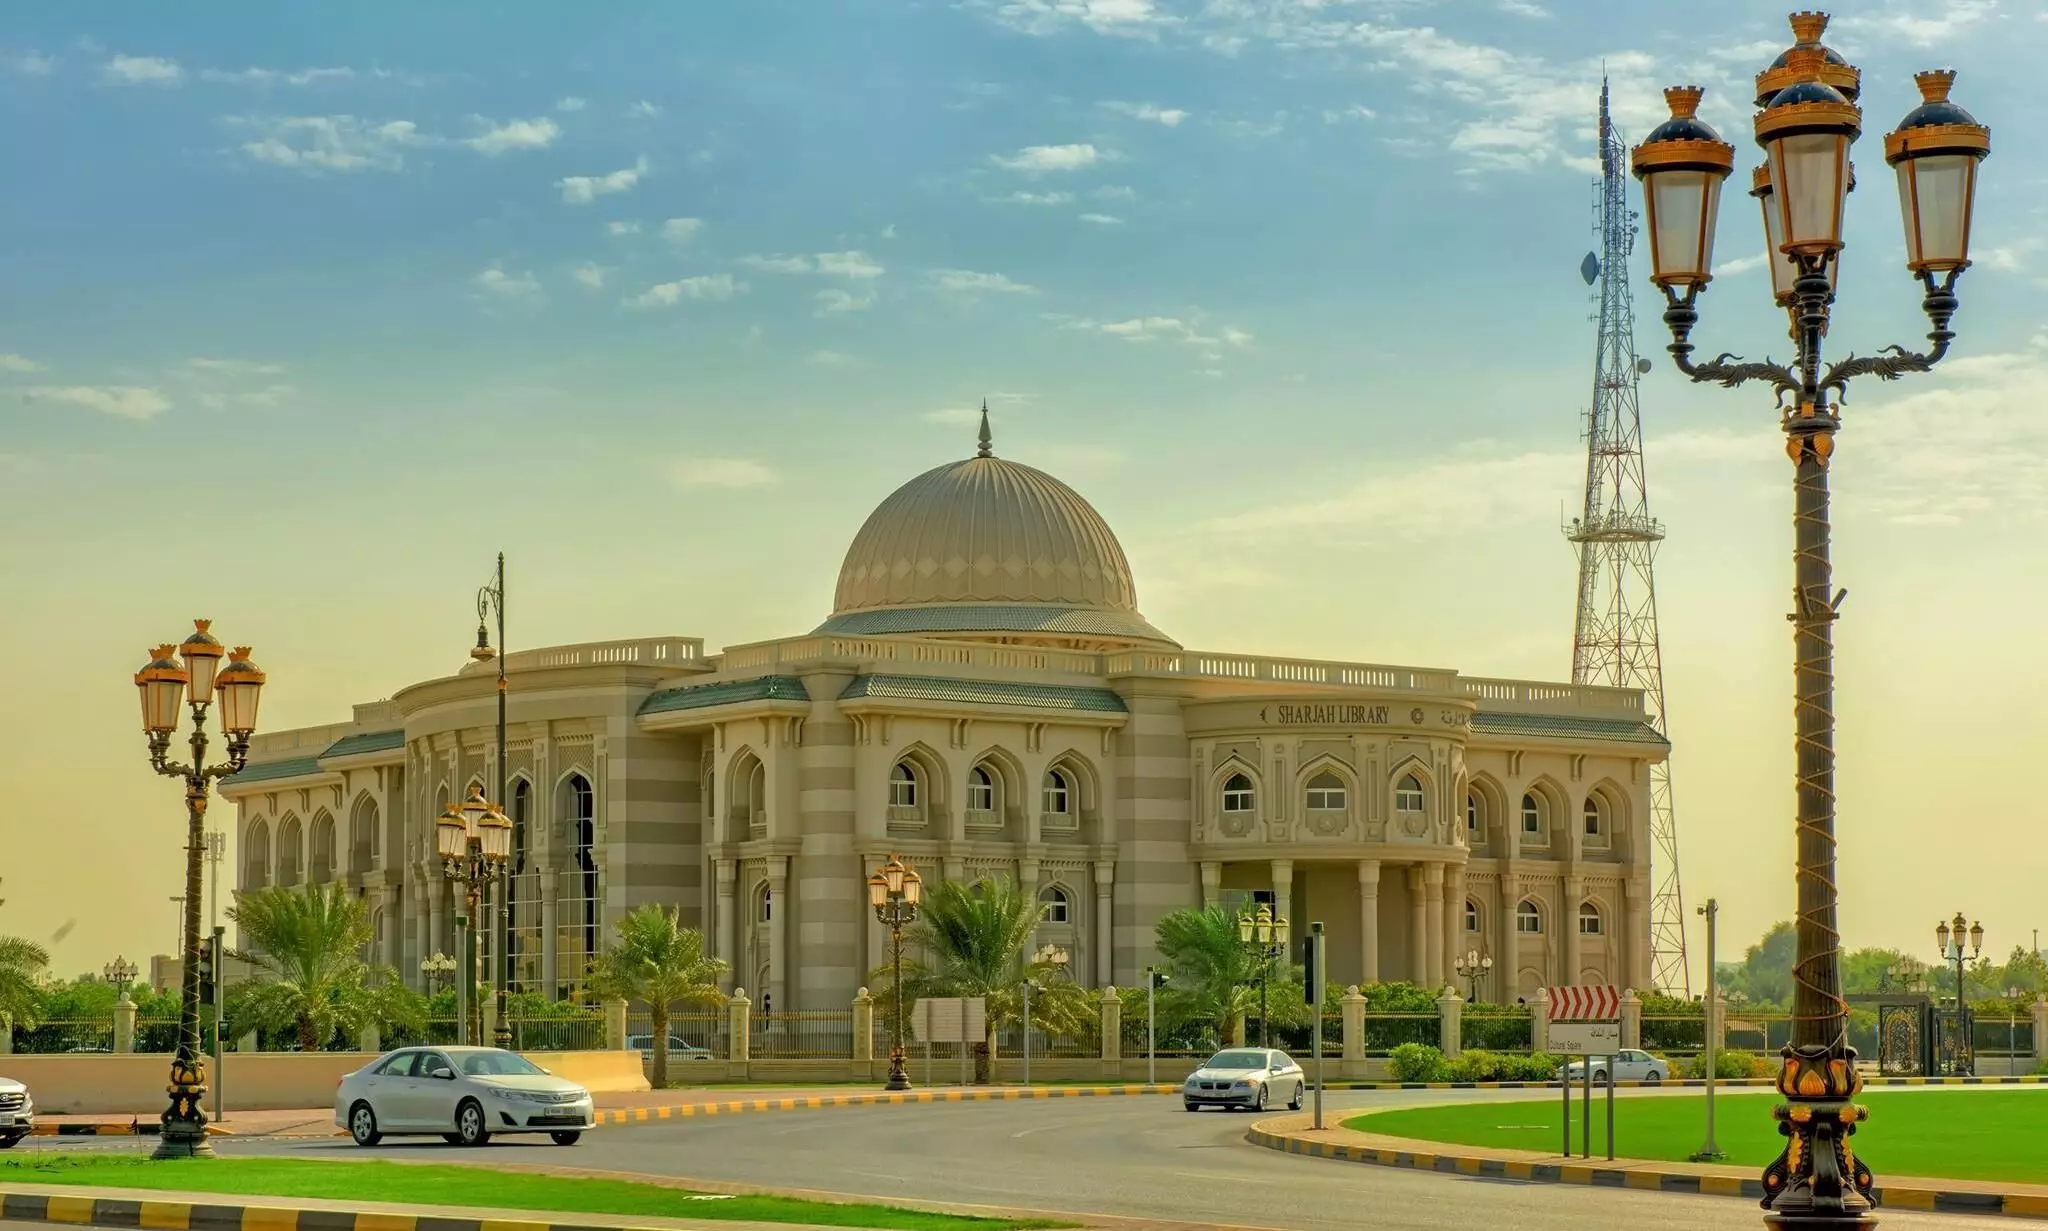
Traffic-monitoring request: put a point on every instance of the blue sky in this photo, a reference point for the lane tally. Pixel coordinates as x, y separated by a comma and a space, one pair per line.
663, 298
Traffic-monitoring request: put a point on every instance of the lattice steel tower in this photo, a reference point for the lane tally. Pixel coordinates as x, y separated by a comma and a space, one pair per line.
1614, 640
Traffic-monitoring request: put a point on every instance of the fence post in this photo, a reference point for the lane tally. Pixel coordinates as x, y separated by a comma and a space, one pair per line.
1353, 1007
863, 1028
370, 1039
488, 1012
1112, 1034
1631, 1019
249, 1043
1450, 1014
739, 1013
124, 1024
2040, 1031
1539, 1022
615, 1025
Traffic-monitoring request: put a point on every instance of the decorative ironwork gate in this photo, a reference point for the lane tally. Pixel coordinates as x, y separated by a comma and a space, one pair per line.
1955, 1052
1902, 1040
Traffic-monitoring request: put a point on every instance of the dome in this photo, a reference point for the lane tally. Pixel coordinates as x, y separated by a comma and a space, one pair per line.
988, 546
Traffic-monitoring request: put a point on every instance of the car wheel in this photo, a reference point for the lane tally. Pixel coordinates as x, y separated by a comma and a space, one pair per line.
469, 1124
1600, 1077
1296, 1104
1192, 1106
1259, 1099
567, 1137
362, 1125
1653, 1078
14, 1139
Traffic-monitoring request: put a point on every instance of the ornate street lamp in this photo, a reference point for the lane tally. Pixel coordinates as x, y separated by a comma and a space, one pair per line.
1806, 122
192, 674
1473, 966
894, 892
1264, 937
119, 972
436, 968
474, 839
490, 599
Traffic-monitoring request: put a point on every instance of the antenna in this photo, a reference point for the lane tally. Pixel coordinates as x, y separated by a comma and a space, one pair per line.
1614, 638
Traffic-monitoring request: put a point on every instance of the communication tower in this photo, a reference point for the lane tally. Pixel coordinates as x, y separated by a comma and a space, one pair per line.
1614, 639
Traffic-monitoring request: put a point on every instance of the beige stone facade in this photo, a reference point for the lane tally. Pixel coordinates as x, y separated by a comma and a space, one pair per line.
986, 700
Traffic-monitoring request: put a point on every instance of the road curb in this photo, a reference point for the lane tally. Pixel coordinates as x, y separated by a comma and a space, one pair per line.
1686, 1083
115, 1128
684, 1111
1642, 1178
212, 1216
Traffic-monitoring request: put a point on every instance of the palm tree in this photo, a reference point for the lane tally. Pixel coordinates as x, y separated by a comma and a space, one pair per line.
658, 961
309, 943
21, 969
971, 941
1212, 975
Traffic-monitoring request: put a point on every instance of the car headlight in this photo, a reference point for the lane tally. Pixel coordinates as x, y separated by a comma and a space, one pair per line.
526, 1096
1243, 1085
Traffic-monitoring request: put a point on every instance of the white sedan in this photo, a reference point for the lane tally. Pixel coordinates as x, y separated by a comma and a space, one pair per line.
1625, 1065
1249, 1077
464, 1094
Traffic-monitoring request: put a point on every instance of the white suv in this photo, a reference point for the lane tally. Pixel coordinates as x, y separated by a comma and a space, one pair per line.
17, 1112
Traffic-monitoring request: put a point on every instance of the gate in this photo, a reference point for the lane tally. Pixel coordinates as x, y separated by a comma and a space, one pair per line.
1902, 1040
1955, 1053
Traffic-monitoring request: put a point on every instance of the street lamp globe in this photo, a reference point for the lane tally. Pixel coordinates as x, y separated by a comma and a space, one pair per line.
913, 887
1976, 939
878, 890
1806, 132
451, 834
1280, 930
1935, 151
494, 834
1682, 164
1247, 923
161, 683
1941, 937
202, 655
240, 685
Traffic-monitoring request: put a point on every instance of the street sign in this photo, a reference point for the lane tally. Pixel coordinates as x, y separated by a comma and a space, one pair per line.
1584, 1038
1585, 1004
949, 1020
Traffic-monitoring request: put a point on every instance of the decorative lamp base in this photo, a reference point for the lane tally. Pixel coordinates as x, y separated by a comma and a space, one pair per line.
898, 1079
184, 1121
1817, 1181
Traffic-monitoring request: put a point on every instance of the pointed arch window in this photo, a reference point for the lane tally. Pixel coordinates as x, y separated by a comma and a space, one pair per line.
1408, 794
903, 786
981, 790
1590, 922
1238, 795
1532, 815
1594, 819
256, 863
1472, 916
1529, 918
1474, 817
1059, 795
1059, 908
1326, 793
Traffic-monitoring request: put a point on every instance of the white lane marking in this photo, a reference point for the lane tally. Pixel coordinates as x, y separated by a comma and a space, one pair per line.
1040, 1129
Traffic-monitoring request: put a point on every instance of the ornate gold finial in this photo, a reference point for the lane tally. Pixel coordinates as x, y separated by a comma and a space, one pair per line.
166, 651
1808, 26
1684, 100
240, 653
1805, 61
204, 625
984, 448
1934, 84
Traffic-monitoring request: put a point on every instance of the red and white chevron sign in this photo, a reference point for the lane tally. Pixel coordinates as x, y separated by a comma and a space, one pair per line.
1585, 1004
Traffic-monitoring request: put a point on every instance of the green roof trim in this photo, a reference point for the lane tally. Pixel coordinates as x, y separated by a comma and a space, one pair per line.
980, 617
368, 741
986, 692
296, 767
1564, 726
729, 692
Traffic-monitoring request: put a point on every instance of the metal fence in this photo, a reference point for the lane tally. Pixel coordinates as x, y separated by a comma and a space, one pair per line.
1498, 1030
584, 1033
1386, 1031
1684, 1035
820, 1035
68, 1035
2003, 1036
1758, 1032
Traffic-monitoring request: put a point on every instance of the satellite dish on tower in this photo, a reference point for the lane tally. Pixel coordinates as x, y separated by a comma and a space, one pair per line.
1589, 269
1643, 367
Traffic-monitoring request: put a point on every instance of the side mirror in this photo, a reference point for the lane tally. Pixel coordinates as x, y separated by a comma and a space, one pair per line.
445, 1074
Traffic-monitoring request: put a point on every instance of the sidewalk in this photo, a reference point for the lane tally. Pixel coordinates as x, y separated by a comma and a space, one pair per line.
1291, 1134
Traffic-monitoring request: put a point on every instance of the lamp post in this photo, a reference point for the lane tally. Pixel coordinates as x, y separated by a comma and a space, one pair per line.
119, 972
1806, 120
474, 839
436, 968
1950, 936
894, 892
1472, 967
490, 599
192, 673
1264, 938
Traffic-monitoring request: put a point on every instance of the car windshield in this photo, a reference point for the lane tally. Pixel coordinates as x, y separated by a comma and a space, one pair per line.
498, 1064
1237, 1060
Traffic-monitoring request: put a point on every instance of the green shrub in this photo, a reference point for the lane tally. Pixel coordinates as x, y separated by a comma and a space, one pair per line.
1477, 1064
1541, 1066
1729, 1066
1417, 1062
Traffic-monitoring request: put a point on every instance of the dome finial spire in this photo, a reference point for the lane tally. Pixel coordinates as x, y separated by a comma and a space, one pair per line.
984, 450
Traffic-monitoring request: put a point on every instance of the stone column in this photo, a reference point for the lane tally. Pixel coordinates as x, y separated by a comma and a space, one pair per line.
1212, 883
1282, 874
1574, 944
1353, 1008
369, 1039
1101, 925
1368, 921
615, 1025
1636, 894
1631, 1019
778, 916
1539, 1022
1507, 960
124, 1024
1450, 1013
550, 935
725, 931
863, 1027
738, 1016
1455, 940
1433, 925
1418, 926
1112, 1031
6, 1034
2040, 1029
488, 1009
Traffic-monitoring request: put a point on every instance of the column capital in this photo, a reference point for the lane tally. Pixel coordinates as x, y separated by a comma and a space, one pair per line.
1433, 875
1415, 876
1212, 872
1369, 874
1105, 873
1283, 869
1574, 887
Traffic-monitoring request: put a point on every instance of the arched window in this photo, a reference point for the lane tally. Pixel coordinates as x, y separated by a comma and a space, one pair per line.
1472, 814
519, 899
1326, 793
583, 835
291, 843
320, 856
1594, 827
1532, 814
1471, 916
1058, 908
364, 845
1238, 795
522, 811
1529, 918
1590, 923
1408, 794
256, 857
1059, 796
981, 790
767, 904
903, 786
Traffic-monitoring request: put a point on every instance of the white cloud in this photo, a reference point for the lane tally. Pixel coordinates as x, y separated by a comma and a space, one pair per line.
834, 301
720, 472
29, 64
1956, 17
1354, 112
889, 232
569, 104
1103, 220
18, 363
643, 110
1522, 8
1169, 116
1395, 506
536, 134
681, 230
972, 282
269, 397
317, 143
497, 281
142, 70
779, 264
1117, 192
1040, 198
1154, 328
1738, 265
702, 287
234, 367
624, 227
1133, 18
272, 76
121, 401
1038, 159
583, 189
848, 265
954, 414
832, 359
591, 274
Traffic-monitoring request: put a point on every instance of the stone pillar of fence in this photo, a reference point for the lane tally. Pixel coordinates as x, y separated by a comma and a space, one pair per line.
615, 1025
124, 1024
863, 1027
1353, 1007
1112, 1033
2040, 1030
7, 1035
1450, 1017
370, 1039
1631, 1019
249, 1043
738, 1016
1539, 1022
487, 1015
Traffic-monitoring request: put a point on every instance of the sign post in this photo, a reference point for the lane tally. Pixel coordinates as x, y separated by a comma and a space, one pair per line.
1313, 975
1586, 1023
956, 1020
1709, 1053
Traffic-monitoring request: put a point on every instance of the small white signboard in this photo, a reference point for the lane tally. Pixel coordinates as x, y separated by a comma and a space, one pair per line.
949, 1020
1584, 1038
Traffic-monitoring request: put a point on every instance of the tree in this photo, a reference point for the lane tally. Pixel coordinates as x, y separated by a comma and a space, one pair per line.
658, 961
308, 944
971, 941
1212, 975
22, 963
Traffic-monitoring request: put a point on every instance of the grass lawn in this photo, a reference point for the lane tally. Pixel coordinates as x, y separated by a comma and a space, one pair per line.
1973, 1134
430, 1184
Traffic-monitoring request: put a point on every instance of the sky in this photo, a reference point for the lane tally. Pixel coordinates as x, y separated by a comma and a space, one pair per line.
310, 311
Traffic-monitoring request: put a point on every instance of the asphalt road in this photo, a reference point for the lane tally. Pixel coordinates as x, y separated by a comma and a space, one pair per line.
1134, 1156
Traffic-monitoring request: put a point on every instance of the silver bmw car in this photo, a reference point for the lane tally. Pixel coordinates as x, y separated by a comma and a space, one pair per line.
1254, 1078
